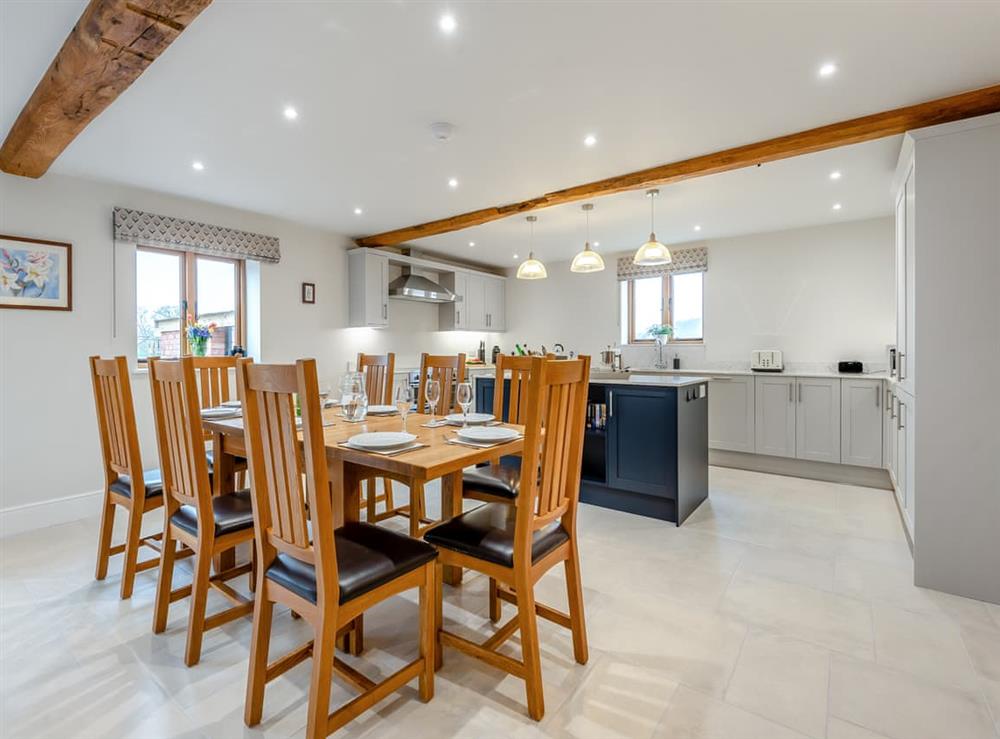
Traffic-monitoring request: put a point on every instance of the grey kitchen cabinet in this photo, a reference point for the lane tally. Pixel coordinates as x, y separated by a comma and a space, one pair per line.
861, 422
817, 419
904, 461
774, 415
889, 431
368, 303
905, 280
455, 316
731, 414
494, 304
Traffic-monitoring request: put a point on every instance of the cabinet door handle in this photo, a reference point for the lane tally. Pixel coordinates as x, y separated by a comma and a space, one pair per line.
611, 403
888, 400
458, 317
800, 392
878, 399
902, 365
791, 393
899, 418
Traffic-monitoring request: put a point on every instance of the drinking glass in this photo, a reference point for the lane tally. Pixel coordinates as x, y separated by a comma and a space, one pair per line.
404, 399
463, 394
353, 399
432, 390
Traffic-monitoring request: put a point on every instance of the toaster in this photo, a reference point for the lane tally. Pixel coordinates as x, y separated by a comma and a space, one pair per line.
766, 360
850, 367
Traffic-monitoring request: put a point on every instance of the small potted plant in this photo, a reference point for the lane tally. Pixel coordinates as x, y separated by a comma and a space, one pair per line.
661, 332
198, 334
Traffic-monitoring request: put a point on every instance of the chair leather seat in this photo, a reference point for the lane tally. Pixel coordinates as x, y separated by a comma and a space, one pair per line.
232, 512
210, 458
152, 479
487, 533
367, 556
502, 480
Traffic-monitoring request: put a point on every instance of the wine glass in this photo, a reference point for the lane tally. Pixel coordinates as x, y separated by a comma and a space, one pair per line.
404, 399
432, 391
463, 394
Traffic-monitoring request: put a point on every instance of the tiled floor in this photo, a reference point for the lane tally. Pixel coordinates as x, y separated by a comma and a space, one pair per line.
783, 608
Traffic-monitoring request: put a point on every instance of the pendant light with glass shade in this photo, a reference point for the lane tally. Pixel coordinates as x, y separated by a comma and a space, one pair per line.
531, 268
587, 260
652, 253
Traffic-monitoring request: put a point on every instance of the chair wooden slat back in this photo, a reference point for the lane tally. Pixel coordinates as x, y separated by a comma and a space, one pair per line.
553, 444
278, 464
213, 380
520, 373
378, 370
179, 434
116, 418
448, 370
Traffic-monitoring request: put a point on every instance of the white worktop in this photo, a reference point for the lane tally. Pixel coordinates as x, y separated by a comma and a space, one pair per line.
746, 372
675, 380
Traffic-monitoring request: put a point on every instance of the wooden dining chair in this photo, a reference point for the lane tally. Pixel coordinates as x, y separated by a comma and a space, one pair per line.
214, 389
516, 544
122, 464
378, 372
207, 524
329, 577
448, 370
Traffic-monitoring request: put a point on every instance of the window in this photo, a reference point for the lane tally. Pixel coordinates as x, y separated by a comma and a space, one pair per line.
676, 300
172, 284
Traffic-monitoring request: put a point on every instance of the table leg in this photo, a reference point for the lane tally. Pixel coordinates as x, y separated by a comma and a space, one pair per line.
345, 478
223, 483
451, 506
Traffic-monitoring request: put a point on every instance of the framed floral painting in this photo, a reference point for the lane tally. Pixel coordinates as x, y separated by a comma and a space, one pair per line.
35, 274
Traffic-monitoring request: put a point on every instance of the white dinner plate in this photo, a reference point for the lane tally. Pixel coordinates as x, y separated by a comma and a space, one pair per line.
220, 412
488, 434
474, 418
381, 410
379, 440
230, 404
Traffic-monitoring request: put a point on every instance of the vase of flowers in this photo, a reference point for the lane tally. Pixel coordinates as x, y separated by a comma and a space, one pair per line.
661, 332
198, 334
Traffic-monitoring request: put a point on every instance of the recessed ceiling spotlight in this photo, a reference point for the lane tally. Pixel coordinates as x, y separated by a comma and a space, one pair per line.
597, 243
828, 70
516, 257
472, 243
836, 206
197, 166
589, 140
290, 113
358, 211
835, 174
453, 183
447, 23
697, 228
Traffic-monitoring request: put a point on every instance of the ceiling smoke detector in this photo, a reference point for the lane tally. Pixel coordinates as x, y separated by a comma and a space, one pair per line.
442, 131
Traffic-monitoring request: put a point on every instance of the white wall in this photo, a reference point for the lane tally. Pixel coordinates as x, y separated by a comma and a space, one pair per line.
819, 294
49, 449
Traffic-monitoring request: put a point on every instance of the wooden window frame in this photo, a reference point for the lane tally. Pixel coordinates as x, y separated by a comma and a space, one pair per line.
188, 289
667, 318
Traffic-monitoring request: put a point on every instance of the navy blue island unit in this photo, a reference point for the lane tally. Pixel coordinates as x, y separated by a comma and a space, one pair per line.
646, 445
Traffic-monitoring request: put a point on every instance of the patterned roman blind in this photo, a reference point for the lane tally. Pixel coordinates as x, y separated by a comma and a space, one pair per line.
150, 229
684, 260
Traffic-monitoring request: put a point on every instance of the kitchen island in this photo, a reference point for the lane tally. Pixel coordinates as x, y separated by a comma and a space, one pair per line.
646, 443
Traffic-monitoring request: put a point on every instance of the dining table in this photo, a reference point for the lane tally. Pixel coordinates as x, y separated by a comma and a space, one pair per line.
441, 457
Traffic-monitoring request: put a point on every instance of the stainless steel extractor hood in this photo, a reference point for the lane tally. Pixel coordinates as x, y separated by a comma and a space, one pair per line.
417, 287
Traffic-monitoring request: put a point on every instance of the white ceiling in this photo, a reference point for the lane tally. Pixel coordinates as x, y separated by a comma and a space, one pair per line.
523, 83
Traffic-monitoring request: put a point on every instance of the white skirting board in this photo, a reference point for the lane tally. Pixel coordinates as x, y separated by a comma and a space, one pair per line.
33, 516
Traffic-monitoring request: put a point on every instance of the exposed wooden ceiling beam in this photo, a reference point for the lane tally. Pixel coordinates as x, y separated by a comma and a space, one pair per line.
854, 131
109, 47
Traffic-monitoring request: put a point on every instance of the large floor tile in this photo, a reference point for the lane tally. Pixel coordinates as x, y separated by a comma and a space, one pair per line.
782, 679
802, 569
926, 645
693, 715
827, 619
837, 729
901, 706
984, 648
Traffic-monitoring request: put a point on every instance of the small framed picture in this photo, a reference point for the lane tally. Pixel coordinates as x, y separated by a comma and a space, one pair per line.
35, 274
308, 292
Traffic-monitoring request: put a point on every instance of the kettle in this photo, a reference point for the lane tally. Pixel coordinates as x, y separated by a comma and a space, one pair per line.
496, 353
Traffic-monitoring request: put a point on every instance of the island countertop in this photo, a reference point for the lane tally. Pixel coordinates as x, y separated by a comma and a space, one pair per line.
652, 381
